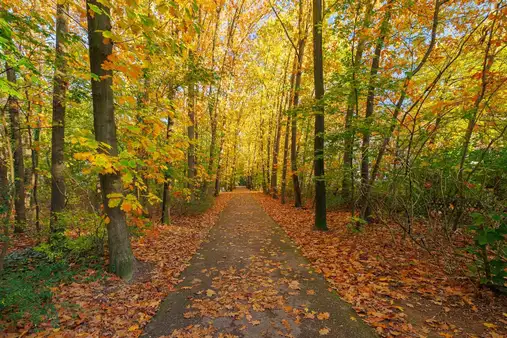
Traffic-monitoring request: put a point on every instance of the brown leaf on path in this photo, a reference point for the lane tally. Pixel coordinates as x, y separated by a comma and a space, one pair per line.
323, 316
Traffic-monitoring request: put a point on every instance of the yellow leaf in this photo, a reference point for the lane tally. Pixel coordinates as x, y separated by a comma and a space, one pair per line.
489, 325
210, 293
133, 328
324, 331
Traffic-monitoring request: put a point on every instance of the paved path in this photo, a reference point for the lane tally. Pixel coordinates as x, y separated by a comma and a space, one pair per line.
249, 280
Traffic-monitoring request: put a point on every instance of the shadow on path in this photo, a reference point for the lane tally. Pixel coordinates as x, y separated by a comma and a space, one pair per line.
249, 280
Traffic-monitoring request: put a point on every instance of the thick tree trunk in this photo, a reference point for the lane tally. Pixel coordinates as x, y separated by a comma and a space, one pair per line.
320, 183
121, 258
19, 165
58, 128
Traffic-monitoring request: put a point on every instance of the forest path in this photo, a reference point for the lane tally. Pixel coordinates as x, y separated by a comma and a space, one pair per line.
249, 280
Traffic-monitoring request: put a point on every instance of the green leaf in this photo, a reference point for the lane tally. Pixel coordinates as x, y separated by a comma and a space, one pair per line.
95, 9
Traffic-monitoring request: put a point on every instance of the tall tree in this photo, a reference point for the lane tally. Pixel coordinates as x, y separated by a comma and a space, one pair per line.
121, 258
17, 144
191, 135
166, 209
58, 189
297, 84
348, 152
276, 147
370, 106
285, 160
318, 75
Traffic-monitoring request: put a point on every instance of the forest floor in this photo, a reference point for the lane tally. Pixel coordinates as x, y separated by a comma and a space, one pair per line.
393, 284
232, 271
98, 304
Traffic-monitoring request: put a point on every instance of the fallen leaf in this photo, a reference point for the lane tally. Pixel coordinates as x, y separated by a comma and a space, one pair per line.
324, 331
490, 325
294, 285
323, 316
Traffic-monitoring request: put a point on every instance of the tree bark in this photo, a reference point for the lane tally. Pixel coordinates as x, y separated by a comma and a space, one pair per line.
33, 144
219, 167
19, 165
285, 159
370, 106
348, 153
276, 146
60, 84
166, 191
5, 207
191, 136
320, 183
295, 104
121, 258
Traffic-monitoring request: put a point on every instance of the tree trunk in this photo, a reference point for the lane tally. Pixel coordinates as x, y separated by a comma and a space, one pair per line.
19, 165
348, 153
399, 103
191, 136
33, 144
285, 159
166, 191
320, 183
295, 104
276, 146
268, 154
121, 258
486, 66
58, 128
5, 207
219, 167
370, 106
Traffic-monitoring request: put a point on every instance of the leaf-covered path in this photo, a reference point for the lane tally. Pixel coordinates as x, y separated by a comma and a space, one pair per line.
248, 280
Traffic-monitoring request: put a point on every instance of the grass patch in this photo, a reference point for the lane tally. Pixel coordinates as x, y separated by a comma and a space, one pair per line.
29, 276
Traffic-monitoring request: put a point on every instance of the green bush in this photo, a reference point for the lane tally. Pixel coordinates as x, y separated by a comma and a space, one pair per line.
489, 248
